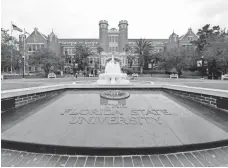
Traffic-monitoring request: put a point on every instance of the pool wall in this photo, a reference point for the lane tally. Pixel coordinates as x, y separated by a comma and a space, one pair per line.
214, 98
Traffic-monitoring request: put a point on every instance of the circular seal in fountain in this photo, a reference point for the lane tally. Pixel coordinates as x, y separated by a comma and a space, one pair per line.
114, 94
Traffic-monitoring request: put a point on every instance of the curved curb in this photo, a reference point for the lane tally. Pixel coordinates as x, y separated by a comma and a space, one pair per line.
107, 151
116, 97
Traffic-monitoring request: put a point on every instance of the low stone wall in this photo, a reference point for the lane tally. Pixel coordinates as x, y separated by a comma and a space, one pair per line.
14, 102
208, 100
22, 100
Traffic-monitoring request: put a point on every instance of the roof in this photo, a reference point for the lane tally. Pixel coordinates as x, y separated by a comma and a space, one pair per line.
181, 36
190, 29
160, 40
38, 33
43, 35
173, 34
77, 39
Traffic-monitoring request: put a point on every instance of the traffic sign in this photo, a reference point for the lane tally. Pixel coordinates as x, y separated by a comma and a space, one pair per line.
199, 63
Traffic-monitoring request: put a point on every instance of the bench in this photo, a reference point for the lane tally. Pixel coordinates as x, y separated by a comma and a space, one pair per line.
135, 75
173, 76
51, 75
224, 77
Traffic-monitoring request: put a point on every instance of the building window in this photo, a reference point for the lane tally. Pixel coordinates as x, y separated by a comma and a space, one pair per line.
30, 48
189, 38
34, 47
91, 61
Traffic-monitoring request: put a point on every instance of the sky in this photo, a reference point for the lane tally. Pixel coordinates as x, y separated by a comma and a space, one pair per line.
146, 18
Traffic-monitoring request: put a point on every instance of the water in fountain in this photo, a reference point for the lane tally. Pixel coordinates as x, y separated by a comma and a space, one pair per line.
113, 74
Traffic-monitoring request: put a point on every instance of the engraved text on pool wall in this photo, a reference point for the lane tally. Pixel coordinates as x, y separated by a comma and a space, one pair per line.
115, 115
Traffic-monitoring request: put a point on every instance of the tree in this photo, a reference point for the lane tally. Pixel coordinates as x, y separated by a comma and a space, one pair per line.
205, 36
44, 58
175, 60
143, 48
82, 52
99, 50
10, 54
213, 45
130, 54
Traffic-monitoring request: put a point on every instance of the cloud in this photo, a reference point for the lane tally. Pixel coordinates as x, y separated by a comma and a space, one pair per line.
146, 18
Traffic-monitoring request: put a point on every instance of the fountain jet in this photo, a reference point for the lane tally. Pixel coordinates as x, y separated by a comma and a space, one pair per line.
113, 74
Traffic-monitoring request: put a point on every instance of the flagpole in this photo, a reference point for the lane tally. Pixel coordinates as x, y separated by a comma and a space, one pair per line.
24, 56
11, 48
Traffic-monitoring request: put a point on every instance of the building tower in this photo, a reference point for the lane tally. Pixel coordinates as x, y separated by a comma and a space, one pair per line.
123, 35
53, 43
103, 35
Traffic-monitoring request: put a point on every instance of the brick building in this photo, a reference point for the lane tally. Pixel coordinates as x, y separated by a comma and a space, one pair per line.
183, 42
36, 41
113, 41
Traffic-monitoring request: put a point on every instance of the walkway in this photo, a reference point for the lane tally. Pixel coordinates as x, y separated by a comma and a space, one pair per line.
202, 158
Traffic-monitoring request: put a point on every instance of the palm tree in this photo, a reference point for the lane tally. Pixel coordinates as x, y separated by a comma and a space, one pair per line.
83, 51
143, 48
99, 50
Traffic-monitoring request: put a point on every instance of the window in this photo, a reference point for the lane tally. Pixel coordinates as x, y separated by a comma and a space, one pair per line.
30, 48
189, 38
73, 50
69, 51
34, 47
91, 61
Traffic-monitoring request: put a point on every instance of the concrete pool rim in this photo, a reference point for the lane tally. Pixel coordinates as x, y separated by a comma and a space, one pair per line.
108, 151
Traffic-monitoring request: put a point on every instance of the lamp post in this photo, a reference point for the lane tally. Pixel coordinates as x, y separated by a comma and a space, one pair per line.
23, 58
100, 61
141, 63
202, 66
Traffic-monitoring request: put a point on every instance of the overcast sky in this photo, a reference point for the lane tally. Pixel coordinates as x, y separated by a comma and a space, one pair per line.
146, 18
